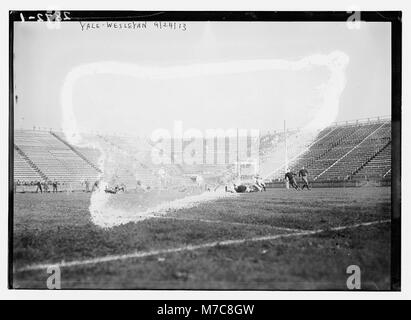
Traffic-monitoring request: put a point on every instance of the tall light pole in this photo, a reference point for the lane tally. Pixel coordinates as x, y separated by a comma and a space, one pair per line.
285, 147
238, 158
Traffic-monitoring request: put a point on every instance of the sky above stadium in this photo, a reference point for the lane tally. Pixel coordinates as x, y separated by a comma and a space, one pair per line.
261, 99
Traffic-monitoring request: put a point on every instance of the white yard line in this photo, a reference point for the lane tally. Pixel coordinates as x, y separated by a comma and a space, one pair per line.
228, 222
143, 254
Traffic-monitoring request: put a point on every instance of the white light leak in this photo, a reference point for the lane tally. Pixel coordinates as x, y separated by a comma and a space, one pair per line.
105, 216
336, 62
325, 114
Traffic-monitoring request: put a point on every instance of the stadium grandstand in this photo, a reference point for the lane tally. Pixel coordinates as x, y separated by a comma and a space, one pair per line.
359, 150
356, 152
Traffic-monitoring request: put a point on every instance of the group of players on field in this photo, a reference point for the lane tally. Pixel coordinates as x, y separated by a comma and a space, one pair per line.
257, 186
289, 178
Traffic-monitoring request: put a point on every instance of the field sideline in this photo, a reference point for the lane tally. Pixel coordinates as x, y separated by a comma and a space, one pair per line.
274, 240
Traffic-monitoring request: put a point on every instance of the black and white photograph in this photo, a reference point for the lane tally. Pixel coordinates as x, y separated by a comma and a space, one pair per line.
161, 150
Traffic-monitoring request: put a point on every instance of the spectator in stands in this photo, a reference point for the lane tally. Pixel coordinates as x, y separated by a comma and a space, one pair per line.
290, 176
55, 186
46, 186
87, 185
303, 173
38, 185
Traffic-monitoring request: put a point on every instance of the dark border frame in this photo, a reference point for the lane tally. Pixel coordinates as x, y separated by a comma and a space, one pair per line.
394, 17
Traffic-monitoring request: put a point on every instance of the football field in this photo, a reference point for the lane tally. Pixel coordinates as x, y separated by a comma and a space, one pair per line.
275, 240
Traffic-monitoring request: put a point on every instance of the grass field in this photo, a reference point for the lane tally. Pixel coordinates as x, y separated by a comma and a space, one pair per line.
282, 239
